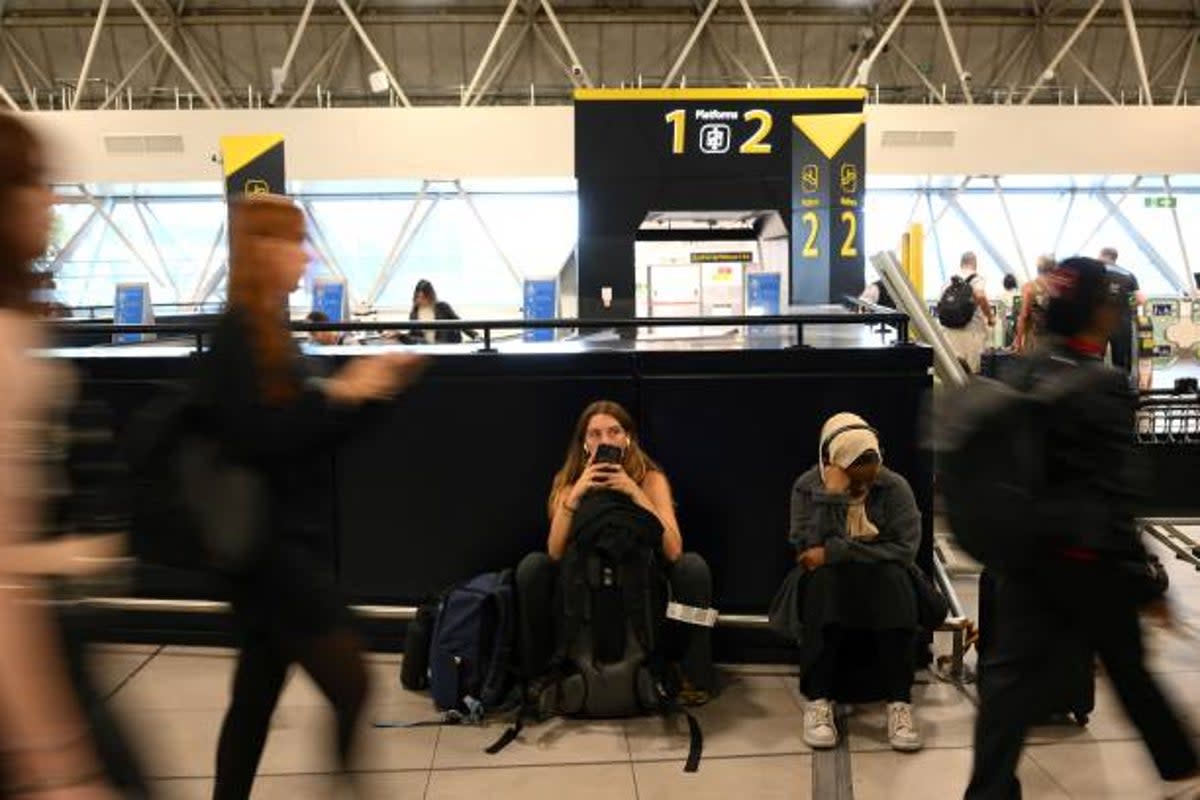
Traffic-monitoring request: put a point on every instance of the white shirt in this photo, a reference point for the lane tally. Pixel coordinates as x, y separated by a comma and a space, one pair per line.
428, 314
980, 287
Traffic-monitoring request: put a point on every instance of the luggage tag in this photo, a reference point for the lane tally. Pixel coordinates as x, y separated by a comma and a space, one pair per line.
691, 615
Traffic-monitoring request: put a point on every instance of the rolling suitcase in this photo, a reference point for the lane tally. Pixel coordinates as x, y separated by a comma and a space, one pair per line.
1070, 685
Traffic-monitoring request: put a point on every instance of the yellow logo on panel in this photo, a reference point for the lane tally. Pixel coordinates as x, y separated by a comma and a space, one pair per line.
810, 178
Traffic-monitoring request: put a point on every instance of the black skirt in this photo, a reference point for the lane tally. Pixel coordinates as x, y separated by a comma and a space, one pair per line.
292, 594
855, 597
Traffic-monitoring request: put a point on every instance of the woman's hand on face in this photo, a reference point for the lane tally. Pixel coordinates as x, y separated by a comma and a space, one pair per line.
837, 481
812, 558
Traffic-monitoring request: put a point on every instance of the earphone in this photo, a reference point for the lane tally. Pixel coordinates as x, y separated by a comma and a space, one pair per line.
838, 432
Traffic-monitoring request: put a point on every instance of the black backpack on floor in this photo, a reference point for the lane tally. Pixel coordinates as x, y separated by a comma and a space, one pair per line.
613, 597
956, 307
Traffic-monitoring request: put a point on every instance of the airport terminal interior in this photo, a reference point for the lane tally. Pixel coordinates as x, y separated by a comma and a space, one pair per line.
789, 242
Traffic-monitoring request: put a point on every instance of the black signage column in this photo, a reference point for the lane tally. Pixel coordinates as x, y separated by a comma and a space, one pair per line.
828, 152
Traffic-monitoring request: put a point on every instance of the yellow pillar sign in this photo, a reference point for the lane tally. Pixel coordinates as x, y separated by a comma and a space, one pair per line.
253, 164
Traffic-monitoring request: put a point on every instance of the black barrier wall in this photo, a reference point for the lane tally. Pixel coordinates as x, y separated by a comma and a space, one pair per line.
454, 480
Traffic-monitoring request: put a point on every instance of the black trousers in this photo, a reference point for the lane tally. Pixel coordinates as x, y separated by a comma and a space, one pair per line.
890, 652
1090, 599
1122, 347
690, 645
332, 659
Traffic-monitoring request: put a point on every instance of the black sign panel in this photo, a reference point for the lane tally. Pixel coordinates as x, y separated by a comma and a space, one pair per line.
700, 150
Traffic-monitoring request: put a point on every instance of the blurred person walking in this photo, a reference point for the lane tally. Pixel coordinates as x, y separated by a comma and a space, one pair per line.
56, 741
270, 416
1031, 318
1089, 577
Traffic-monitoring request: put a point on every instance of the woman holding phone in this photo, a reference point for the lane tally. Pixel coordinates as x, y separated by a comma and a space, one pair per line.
604, 453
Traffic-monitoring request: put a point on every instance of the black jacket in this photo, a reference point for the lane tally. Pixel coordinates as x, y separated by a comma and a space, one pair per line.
1093, 474
441, 310
292, 444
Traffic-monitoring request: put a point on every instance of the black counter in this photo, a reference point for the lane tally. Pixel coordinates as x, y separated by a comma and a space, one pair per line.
454, 480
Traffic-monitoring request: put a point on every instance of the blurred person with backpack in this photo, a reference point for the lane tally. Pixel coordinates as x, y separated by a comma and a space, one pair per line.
56, 740
966, 314
1058, 534
270, 417
628, 484
856, 529
1035, 296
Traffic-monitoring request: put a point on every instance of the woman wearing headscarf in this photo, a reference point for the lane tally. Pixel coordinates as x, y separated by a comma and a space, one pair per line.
856, 529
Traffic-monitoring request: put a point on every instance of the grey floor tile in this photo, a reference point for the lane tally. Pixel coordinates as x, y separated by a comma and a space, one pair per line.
557, 741
935, 775
585, 782
182, 789
741, 722
183, 744
110, 668
1100, 770
199, 680
786, 777
370, 786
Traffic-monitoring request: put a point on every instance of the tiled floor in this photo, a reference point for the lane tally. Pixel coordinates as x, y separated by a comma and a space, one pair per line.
172, 700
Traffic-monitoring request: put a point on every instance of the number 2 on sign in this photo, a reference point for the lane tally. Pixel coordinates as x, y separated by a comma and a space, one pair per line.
813, 223
848, 248
753, 146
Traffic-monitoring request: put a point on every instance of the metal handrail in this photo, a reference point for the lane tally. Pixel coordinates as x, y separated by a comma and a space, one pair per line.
896, 319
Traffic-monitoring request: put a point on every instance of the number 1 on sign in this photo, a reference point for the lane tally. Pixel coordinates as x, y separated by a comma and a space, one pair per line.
678, 120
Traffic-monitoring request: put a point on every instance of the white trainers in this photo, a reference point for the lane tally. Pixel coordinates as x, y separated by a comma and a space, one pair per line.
902, 730
820, 730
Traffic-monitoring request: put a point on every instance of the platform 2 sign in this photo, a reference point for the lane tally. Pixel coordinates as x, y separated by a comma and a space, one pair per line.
828, 152
721, 150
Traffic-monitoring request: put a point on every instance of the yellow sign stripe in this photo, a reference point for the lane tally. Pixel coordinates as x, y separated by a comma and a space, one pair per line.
829, 132
721, 94
238, 151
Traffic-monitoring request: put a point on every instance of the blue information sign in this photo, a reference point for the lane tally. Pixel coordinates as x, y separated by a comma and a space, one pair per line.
329, 297
131, 307
763, 292
541, 302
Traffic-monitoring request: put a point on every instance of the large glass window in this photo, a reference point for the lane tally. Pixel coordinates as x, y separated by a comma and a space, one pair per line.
477, 241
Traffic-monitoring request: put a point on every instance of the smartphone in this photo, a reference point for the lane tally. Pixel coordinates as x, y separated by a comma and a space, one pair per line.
609, 454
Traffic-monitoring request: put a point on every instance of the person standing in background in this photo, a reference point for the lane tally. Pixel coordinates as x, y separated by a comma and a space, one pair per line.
1121, 341
969, 342
1035, 295
427, 308
272, 417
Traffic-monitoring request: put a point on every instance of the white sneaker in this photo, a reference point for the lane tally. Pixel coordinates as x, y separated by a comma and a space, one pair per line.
820, 730
902, 730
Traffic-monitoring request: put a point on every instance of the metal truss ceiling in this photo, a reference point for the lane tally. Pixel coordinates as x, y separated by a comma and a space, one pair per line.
208, 53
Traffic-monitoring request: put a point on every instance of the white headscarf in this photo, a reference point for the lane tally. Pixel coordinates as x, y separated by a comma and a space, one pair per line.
848, 437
